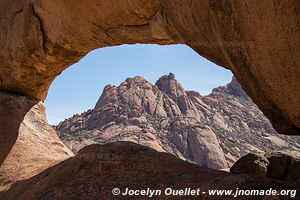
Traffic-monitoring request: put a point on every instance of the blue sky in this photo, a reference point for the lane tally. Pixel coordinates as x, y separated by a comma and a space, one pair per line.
79, 87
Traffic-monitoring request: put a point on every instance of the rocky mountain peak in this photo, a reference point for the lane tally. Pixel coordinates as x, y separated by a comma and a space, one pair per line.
135, 81
235, 88
170, 86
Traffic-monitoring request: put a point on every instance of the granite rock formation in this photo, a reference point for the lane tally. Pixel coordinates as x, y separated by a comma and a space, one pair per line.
161, 116
28, 148
212, 131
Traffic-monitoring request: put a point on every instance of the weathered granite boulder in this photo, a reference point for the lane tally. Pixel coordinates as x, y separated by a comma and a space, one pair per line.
274, 165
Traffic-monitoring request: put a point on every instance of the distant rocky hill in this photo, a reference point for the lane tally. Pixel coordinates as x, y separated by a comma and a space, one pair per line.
212, 131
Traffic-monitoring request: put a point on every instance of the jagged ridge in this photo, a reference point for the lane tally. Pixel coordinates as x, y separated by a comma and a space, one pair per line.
212, 131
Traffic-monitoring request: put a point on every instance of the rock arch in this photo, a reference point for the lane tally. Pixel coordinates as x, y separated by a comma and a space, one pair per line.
258, 40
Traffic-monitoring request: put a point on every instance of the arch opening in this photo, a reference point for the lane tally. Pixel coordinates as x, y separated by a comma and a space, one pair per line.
221, 113
83, 82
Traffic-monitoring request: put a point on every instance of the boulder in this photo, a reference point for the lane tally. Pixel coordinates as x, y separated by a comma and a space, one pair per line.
251, 164
275, 165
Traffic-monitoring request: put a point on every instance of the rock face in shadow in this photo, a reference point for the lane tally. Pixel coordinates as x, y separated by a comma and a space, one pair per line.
274, 165
97, 169
212, 131
28, 144
257, 40
236, 89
